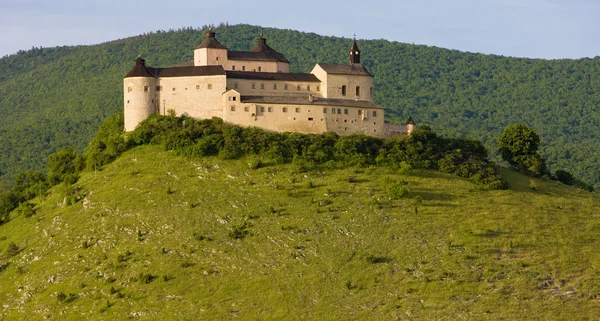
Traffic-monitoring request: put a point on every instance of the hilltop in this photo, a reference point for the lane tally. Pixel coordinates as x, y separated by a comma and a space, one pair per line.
55, 97
155, 235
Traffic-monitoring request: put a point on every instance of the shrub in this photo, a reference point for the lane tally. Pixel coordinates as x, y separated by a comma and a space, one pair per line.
12, 249
26, 209
396, 190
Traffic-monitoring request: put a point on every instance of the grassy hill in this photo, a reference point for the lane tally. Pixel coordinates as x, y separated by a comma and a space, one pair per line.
157, 236
54, 97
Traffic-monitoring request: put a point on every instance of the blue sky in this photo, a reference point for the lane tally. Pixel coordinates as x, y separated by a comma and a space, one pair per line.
548, 29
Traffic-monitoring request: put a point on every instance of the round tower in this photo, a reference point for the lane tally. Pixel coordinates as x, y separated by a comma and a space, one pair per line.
139, 88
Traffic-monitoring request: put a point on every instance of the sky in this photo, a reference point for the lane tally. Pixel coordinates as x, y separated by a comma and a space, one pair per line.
549, 29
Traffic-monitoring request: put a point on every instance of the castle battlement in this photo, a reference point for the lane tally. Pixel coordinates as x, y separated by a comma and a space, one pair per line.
255, 88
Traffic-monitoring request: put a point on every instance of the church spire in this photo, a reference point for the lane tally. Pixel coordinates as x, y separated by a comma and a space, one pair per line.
354, 53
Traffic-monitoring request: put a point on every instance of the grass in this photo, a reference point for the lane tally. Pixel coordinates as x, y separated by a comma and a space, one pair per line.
156, 236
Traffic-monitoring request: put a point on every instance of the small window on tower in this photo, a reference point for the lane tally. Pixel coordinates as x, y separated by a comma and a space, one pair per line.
246, 108
374, 113
308, 87
233, 67
285, 87
243, 68
158, 88
345, 111
275, 86
209, 86
297, 109
146, 89
262, 86
232, 108
357, 91
259, 68
197, 87
217, 59
285, 109
262, 109
129, 89
318, 88
270, 109
253, 86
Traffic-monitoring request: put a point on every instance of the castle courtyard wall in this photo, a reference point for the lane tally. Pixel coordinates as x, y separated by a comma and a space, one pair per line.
198, 97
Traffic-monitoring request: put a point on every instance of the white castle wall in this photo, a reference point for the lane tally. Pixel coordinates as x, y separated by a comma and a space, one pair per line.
139, 100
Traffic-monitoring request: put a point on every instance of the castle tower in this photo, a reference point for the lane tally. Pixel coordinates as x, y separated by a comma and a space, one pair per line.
210, 52
139, 88
354, 53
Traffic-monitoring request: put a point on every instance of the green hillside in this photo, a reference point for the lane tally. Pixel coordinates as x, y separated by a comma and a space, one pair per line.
54, 97
156, 236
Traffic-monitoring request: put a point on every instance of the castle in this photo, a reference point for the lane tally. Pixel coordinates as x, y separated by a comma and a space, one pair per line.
255, 88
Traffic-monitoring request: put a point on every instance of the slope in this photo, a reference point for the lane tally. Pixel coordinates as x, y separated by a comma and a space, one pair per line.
50, 98
158, 236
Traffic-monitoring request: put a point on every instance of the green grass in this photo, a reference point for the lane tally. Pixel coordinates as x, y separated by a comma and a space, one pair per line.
155, 236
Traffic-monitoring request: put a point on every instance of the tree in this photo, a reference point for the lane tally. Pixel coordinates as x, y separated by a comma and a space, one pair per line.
518, 145
64, 166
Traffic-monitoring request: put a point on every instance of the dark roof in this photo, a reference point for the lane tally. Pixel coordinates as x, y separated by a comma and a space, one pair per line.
211, 42
352, 69
410, 121
304, 100
140, 69
355, 46
261, 51
285, 76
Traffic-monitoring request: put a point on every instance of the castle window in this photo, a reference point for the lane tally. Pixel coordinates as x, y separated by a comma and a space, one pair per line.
173, 88
128, 101
285, 87
253, 86
232, 98
129, 89
333, 110
359, 112
233, 67
217, 59
308, 87
324, 110
270, 109
232, 108
146, 89
374, 113
209, 86
318, 88
310, 119
339, 111
158, 88
275, 86
297, 109
259, 68
298, 87
243, 68
262, 86
235, 85
246, 108
357, 91
262, 109
374, 123
344, 90
197, 87
345, 111
371, 92
285, 109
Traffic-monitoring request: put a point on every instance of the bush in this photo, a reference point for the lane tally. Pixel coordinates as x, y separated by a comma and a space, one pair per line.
26, 209
12, 249
396, 190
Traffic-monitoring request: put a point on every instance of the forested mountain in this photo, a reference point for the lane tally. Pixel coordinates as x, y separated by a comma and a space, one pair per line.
50, 98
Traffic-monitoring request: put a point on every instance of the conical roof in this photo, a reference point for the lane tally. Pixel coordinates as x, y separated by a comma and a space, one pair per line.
211, 42
267, 52
140, 69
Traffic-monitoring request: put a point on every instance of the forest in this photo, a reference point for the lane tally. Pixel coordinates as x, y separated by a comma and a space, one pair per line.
56, 97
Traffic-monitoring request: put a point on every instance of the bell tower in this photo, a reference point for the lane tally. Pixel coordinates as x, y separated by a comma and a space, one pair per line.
354, 53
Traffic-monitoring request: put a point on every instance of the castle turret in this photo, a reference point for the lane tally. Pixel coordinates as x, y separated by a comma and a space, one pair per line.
210, 52
139, 87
